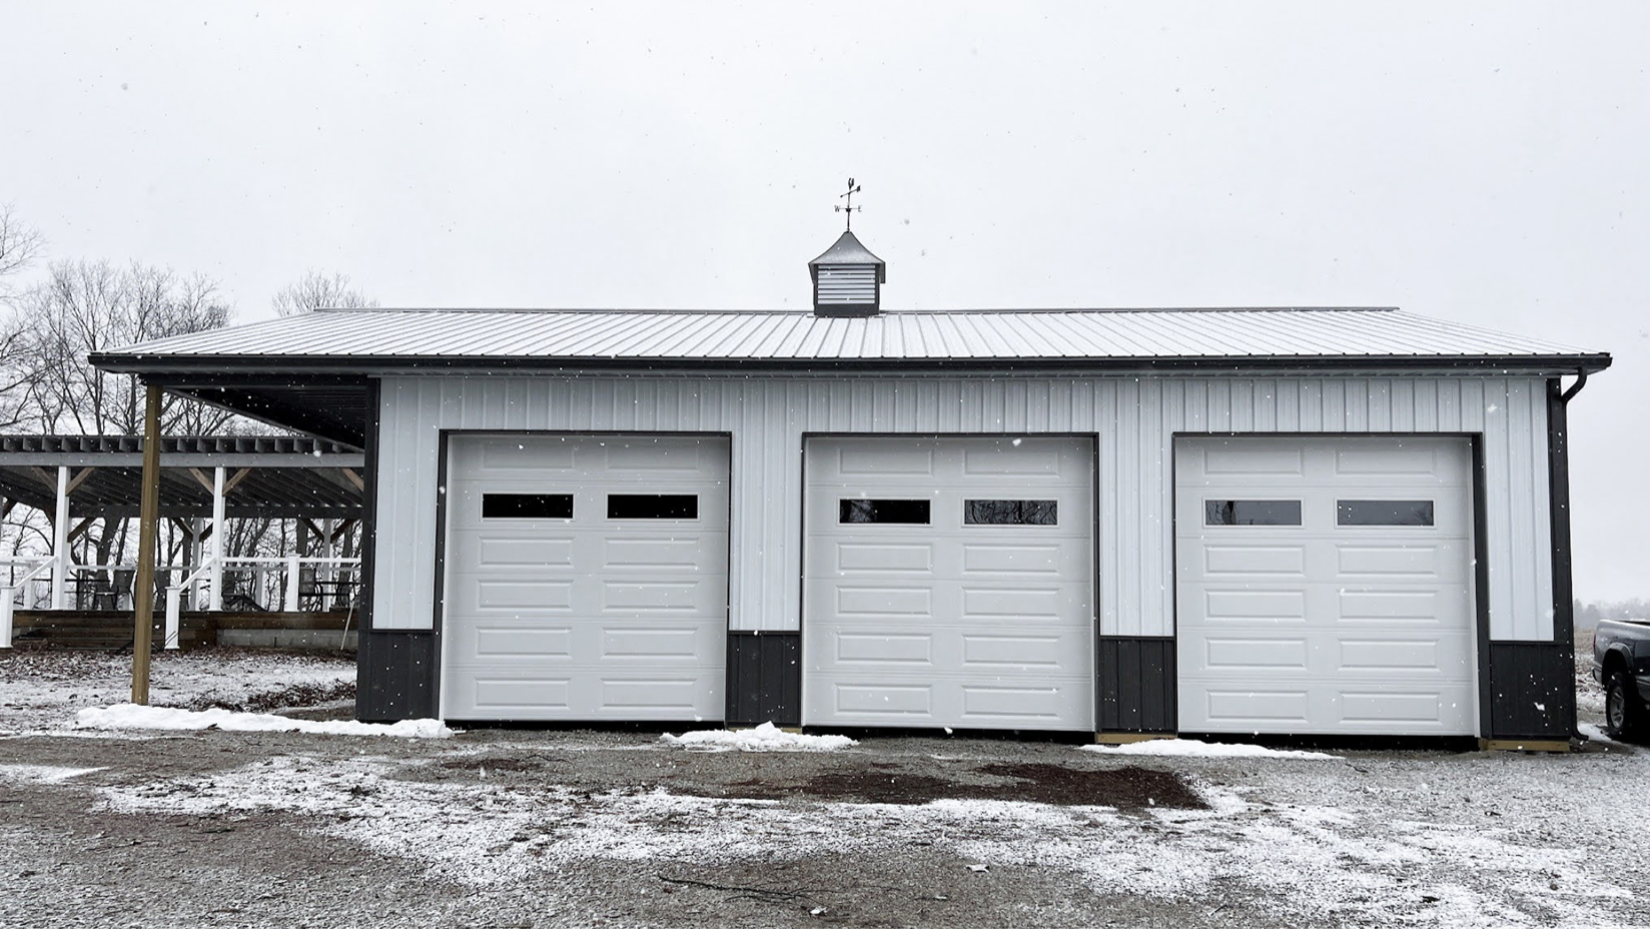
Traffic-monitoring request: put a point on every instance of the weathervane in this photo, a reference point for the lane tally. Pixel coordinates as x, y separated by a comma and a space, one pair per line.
850, 208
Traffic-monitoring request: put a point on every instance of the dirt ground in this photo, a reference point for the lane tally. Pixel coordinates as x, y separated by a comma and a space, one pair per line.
523, 828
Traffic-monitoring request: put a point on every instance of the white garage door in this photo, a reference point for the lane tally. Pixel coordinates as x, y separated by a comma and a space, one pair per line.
1324, 585
587, 578
948, 582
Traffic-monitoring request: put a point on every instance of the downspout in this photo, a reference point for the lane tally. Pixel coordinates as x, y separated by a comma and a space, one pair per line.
1558, 488
1575, 389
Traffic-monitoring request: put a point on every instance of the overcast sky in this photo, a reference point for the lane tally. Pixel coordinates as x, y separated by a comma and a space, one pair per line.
1484, 163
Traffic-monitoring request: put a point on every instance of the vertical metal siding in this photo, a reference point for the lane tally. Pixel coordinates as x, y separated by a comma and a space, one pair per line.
1135, 418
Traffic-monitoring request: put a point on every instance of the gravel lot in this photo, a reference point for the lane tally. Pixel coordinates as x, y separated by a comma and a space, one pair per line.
619, 828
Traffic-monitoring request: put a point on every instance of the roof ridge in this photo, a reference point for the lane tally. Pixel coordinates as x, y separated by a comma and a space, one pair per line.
803, 311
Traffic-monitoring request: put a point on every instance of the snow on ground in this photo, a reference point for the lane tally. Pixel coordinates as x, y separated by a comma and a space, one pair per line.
41, 691
762, 738
27, 774
147, 717
1349, 850
1198, 748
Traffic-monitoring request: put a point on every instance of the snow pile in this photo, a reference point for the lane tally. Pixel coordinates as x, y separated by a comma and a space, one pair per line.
149, 717
1178, 747
43, 689
761, 739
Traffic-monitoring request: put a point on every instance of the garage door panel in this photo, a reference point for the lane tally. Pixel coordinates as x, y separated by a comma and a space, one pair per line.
1415, 711
1246, 654
504, 642
649, 552
514, 594
949, 622
883, 602
527, 454
493, 694
1444, 562
1401, 655
1249, 461
1301, 627
882, 461
882, 558
592, 617
1246, 605
1029, 651
1038, 703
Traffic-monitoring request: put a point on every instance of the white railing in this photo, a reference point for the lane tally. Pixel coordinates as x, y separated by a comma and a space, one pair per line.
8, 597
285, 572
293, 588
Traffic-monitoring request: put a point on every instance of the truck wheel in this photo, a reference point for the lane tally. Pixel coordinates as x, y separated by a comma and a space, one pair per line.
1623, 712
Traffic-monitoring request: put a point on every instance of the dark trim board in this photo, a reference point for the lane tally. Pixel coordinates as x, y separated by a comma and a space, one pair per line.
1558, 500
1532, 691
398, 672
1136, 686
764, 677
1481, 584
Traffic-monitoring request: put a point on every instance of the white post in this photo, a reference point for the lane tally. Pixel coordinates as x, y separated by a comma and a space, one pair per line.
195, 550
7, 595
215, 577
291, 583
174, 597
60, 543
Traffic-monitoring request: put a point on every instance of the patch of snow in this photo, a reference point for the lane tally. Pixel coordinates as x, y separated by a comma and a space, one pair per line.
1318, 863
1594, 732
29, 774
1199, 748
44, 689
760, 739
150, 717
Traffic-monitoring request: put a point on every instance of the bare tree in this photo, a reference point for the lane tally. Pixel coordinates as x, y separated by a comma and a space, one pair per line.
317, 290
86, 307
20, 244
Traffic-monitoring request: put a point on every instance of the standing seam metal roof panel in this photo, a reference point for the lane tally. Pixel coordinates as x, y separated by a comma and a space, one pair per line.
799, 336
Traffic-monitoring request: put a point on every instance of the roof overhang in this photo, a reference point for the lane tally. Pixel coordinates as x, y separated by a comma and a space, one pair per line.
330, 396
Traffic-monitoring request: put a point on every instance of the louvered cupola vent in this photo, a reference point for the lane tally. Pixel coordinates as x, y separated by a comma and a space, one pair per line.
848, 280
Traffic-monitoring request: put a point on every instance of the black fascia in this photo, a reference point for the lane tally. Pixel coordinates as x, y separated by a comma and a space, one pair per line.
241, 370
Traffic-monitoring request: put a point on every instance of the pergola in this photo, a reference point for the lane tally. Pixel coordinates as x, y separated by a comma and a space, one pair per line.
81, 479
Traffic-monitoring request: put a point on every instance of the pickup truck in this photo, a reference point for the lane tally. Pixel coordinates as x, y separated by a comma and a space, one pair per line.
1621, 663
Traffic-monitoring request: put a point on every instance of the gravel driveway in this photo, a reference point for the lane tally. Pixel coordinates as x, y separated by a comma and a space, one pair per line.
619, 828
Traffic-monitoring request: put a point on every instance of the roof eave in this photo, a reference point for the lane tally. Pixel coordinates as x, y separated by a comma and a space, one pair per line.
236, 369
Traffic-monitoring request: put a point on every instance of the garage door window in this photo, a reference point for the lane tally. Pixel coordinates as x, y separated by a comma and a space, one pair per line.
1383, 513
530, 507
996, 511
883, 511
653, 507
1233, 513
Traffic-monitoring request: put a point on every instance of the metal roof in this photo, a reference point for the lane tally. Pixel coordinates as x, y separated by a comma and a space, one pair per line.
848, 250
355, 342
275, 476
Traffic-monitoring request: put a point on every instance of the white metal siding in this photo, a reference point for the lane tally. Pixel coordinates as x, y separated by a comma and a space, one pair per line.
945, 622
1134, 418
1314, 626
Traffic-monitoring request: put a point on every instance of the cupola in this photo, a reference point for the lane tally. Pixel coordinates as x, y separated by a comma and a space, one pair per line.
848, 279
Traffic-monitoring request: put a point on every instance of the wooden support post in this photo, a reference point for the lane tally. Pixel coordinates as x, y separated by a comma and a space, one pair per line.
143, 590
